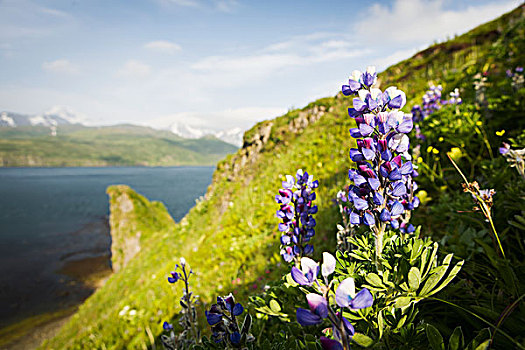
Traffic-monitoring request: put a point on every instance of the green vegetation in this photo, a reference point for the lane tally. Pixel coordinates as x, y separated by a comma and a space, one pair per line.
230, 238
121, 145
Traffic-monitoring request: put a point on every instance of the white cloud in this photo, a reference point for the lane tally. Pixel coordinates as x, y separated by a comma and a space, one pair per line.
184, 3
134, 69
163, 46
27, 19
423, 21
226, 5
53, 12
60, 66
297, 52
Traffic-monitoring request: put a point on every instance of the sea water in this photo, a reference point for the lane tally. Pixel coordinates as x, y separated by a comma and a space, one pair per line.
51, 216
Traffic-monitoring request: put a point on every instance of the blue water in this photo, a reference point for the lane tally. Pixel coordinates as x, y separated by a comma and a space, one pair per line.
49, 216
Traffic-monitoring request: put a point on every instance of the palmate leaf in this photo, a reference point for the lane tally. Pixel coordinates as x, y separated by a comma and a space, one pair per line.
451, 275
429, 288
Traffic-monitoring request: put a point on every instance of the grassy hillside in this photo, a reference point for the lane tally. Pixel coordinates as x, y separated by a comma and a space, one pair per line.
119, 145
230, 238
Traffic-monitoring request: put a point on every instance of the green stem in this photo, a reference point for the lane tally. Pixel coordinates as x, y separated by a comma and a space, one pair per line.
505, 313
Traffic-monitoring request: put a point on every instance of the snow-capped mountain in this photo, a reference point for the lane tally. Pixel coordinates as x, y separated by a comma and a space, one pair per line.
57, 115
232, 136
189, 132
61, 115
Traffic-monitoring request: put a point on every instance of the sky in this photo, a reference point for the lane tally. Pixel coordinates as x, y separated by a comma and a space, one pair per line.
215, 64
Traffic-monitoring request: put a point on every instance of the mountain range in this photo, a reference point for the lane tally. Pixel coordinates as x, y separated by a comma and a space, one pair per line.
60, 115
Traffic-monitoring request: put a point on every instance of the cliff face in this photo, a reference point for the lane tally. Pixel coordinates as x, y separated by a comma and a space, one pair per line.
132, 218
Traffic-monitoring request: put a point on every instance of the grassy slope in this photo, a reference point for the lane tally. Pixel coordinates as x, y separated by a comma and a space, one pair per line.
103, 146
231, 234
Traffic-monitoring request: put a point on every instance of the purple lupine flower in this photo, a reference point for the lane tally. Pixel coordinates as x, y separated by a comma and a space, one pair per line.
354, 84
318, 310
381, 141
505, 148
222, 317
308, 273
167, 326
345, 295
330, 344
213, 318
296, 213
349, 329
175, 276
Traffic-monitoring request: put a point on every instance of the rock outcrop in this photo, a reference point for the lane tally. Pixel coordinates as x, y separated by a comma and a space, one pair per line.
132, 219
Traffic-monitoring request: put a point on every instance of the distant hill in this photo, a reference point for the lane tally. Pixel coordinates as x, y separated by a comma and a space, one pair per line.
53, 140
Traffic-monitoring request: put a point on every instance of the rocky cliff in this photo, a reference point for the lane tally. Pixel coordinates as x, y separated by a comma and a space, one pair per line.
132, 219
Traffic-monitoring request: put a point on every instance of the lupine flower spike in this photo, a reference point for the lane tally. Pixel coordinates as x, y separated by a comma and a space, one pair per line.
296, 212
382, 190
222, 317
188, 320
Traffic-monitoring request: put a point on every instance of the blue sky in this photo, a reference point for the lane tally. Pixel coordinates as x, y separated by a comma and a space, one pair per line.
208, 63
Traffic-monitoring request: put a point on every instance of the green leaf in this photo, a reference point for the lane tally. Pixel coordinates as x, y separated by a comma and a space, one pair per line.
452, 274
435, 276
414, 278
274, 305
416, 250
484, 346
362, 340
480, 339
456, 339
401, 322
380, 323
431, 259
374, 280
424, 259
290, 280
434, 338
401, 302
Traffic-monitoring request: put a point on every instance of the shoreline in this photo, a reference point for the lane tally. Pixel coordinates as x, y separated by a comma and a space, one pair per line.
29, 332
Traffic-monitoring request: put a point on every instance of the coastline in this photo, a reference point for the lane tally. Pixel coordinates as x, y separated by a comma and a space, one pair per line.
29, 332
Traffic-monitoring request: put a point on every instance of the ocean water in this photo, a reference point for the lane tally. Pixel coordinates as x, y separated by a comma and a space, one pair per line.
52, 216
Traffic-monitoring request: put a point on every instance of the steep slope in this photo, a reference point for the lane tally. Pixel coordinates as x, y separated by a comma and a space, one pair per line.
229, 237
119, 145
